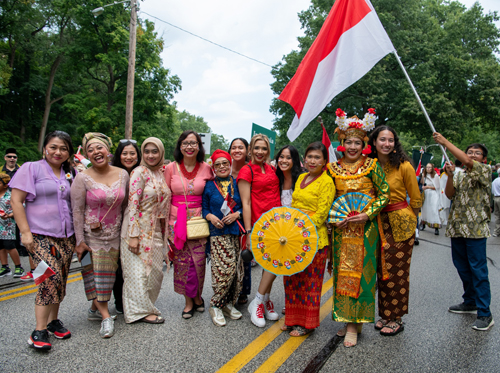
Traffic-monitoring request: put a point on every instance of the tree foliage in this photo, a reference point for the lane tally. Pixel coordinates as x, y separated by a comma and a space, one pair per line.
449, 53
57, 58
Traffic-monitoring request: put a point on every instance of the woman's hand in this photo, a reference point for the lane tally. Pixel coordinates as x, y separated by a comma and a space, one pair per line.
133, 245
230, 218
80, 249
360, 218
215, 221
27, 241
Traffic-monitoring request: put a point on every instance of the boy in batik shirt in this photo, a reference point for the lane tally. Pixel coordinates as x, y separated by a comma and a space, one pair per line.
468, 228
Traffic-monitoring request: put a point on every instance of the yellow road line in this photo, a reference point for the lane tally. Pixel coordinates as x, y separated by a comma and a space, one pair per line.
276, 360
258, 344
30, 291
33, 286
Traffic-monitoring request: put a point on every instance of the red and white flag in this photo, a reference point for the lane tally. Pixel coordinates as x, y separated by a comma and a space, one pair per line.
351, 41
41, 272
419, 167
328, 144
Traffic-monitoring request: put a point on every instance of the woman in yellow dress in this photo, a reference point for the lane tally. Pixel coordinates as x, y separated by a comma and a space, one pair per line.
313, 195
356, 238
399, 219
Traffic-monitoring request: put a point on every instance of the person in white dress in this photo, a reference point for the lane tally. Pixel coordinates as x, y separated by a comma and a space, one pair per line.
431, 206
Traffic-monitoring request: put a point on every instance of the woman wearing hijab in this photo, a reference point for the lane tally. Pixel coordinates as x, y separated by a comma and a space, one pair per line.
97, 197
142, 245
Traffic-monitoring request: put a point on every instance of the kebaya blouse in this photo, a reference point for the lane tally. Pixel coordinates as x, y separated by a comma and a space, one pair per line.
48, 201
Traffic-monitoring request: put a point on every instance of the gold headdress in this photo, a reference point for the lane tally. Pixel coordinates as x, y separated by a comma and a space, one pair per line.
354, 127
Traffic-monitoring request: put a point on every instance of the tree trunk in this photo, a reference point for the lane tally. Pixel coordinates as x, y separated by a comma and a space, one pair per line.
48, 102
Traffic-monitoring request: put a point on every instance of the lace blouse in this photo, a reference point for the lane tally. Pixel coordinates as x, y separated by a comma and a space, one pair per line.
94, 202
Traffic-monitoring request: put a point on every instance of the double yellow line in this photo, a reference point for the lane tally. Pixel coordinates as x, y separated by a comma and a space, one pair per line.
18, 292
283, 352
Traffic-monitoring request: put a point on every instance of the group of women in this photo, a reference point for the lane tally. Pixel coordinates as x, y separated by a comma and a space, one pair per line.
130, 217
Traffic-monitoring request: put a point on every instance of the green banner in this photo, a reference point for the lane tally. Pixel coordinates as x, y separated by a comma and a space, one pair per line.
271, 134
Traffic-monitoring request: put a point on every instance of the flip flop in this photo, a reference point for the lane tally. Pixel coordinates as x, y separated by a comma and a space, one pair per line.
158, 320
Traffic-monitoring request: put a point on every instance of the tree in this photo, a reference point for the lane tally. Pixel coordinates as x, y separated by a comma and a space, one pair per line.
448, 51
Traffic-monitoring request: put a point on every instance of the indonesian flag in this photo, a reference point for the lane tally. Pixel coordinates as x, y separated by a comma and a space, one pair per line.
419, 167
328, 144
351, 41
443, 160
41, 272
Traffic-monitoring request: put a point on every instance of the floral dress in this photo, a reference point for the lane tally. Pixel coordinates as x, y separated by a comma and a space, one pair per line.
148, 207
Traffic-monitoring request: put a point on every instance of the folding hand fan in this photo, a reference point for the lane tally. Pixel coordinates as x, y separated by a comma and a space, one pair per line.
347, 205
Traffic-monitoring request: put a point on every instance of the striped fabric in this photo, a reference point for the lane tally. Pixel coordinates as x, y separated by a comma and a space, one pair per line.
99, 276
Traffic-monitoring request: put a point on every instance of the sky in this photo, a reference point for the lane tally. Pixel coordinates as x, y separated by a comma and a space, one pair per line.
229, 91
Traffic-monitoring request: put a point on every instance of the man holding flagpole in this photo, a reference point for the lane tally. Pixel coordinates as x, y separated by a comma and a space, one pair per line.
468, 228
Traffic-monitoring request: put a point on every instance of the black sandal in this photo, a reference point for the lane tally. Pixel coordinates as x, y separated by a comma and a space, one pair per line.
383, 322
243, 299
188, 314
395, 329
200, 307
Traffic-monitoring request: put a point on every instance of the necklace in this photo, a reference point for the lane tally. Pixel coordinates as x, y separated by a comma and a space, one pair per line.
351, 168
189, 175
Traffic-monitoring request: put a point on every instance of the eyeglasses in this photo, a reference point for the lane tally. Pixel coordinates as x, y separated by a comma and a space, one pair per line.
193, 144
475, 153
219, 165
11, 156
124, 141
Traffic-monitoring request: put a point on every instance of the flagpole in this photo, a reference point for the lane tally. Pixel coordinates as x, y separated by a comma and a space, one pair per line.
419, 101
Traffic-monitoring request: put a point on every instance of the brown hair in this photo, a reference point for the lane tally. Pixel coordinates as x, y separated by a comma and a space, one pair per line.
424, 172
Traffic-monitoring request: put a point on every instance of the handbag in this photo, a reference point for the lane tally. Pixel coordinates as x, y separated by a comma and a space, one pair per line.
197, 227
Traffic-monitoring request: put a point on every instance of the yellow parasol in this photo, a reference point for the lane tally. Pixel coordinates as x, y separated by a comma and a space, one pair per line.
284, 241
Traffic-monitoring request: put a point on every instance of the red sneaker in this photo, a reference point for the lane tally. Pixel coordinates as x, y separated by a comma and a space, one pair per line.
27, 277
57, 328
40, 339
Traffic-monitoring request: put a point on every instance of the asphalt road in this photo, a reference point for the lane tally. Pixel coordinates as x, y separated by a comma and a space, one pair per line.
434, 340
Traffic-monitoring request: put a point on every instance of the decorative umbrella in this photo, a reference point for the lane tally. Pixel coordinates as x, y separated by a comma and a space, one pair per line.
348, 205
284, 241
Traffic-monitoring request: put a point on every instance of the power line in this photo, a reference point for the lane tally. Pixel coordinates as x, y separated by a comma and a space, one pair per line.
202, 38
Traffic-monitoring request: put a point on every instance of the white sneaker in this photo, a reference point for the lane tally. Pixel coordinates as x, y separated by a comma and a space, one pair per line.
270, 313
217, 316
96, 315
107, 328
232, 312
257, 313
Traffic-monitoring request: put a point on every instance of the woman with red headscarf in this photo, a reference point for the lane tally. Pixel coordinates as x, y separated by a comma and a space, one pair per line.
221, 206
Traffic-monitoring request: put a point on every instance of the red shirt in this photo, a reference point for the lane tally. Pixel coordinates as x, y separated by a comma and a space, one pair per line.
265, 188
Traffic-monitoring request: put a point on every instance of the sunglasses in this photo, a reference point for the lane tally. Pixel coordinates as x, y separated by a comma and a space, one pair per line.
124, 141
11, 156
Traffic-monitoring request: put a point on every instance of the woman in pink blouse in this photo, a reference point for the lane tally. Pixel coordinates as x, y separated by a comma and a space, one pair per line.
186, 177
47, 229
97, 197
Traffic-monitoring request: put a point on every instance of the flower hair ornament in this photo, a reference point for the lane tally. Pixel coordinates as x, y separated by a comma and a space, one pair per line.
354, 127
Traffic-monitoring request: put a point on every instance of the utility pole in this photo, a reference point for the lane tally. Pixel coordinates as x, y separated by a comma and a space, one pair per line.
129, 111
